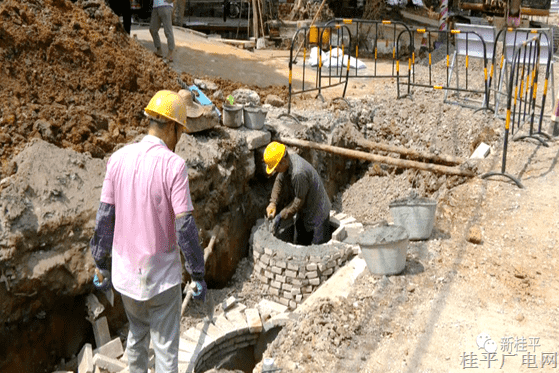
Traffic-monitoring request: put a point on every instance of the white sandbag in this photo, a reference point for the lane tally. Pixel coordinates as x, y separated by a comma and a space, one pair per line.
353, 63
313, 57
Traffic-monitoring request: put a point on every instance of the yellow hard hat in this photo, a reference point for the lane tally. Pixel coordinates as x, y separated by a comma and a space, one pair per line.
167, 104
272, 155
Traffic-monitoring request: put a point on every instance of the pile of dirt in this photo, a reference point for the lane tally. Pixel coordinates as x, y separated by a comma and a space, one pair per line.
73, 77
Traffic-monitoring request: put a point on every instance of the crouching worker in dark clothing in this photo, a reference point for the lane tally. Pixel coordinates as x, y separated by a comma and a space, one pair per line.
310, 202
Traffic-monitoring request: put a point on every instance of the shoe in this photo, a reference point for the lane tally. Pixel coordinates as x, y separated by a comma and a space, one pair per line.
170, 56
159, 53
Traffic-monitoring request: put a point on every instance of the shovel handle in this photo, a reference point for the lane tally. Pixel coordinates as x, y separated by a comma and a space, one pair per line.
99, 275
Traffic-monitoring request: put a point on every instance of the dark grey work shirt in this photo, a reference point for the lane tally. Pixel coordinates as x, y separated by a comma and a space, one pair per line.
308, 186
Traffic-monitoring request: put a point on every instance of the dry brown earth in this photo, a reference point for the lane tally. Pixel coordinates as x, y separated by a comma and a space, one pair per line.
424, 320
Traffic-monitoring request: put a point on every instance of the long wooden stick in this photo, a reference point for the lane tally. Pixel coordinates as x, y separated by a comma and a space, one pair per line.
312, 23
435, 168
261, 21
441, 158
191, 287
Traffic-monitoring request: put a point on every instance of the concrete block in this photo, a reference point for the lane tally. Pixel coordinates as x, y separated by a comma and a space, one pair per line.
253, 320
186, 345
336, 219
292, 304
281, 264
107, 363
85, 359
112, 349
239, 320
268, 251
481, 151
339, 234
229, 330
257, 139
313, 274
276, 284
290, 273
287, 295
295, 291
269, 274
354, 229
348, 220
270, 307
265, 259
292, 266
263, 279
212, 331
239, 307
276, 270
312, 267
280, 278
314, 281
284, 319
287, 287
284, 301
228, 303
328, 272
298, 298
101, 331
274, 291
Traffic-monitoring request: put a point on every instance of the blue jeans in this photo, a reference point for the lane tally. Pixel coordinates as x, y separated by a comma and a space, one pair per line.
157, 318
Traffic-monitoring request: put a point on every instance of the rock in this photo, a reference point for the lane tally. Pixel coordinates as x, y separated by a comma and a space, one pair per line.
206, 85
45, 129
218, 95
274, 100
474, 235
246, 96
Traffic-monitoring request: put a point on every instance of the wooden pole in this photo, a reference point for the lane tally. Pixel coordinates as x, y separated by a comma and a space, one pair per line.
312, 23
259, 2
409, 152
435, 168
254, 20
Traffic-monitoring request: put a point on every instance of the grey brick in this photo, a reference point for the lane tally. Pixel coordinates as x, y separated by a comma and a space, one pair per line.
312, 267
292, 266
265, 259
276, 284
280, 278
277, 270
314, 281
274, 291
269, 275
328, 272
268, 251
313, 274
281, 264
292, 274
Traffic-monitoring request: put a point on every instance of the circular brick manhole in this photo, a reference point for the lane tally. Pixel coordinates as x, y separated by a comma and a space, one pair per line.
291, 273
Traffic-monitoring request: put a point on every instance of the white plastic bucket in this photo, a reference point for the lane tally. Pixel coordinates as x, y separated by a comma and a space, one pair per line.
417, 216
384, 249
232, 115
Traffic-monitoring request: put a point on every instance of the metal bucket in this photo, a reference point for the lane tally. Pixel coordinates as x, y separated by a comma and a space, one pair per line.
232, 115
254, 117
417, 216
384, 249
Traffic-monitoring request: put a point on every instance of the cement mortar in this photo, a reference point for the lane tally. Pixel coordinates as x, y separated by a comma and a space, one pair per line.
382, 235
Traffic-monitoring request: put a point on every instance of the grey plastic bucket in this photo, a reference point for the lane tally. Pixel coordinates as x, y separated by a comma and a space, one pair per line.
384, 249
417, 216
232, 115
254, 117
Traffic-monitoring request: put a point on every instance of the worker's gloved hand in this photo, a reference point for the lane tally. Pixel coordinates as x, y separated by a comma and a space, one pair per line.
284, 214
105, 284
271, 210
200, 291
